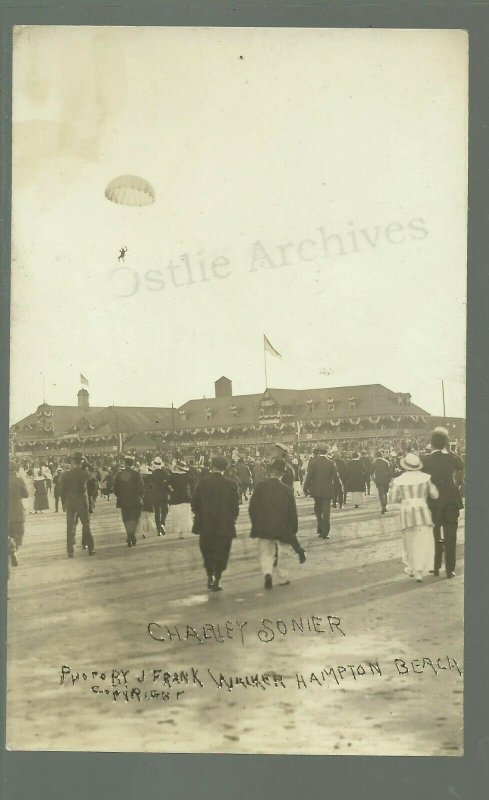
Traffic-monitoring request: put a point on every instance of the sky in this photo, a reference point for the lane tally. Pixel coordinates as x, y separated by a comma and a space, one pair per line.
309, 184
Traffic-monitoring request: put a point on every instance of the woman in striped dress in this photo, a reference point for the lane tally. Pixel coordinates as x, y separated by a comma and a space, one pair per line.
412, 490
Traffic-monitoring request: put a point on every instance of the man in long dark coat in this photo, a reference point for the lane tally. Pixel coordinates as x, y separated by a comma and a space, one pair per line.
339, 496
367, 468
321, 483
74, 496
215, 504
129, 490
161, 492
382, 474
445, 469
274, 522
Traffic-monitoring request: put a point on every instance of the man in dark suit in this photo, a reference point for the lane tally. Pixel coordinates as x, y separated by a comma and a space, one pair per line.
160, 493
321, 482
274, 523
444, 468
129, 490
74, 497
215, 504
382, 474
245, 480
339, 494
367, 468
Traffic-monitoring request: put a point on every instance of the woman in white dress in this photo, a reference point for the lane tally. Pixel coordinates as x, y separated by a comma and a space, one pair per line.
412, 490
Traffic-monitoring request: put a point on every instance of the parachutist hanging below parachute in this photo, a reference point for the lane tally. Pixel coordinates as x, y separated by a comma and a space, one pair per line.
129, 190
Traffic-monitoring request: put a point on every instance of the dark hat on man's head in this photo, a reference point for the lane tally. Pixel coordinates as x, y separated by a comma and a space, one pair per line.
128, 460
220, 463
78, 457
277, 466
439, 438
322, 449
440, 429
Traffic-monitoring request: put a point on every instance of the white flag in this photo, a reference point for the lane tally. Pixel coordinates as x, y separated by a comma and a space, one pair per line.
83, 380
268, 346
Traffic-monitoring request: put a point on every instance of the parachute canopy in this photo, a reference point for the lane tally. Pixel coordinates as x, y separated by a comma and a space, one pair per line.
129, 190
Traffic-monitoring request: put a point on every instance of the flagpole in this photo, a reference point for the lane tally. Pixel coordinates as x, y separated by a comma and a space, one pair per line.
265, 360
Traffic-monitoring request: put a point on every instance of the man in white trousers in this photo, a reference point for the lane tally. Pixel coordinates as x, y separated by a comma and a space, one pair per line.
274, 523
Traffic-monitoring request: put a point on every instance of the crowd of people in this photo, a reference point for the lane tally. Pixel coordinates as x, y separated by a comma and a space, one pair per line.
203, 495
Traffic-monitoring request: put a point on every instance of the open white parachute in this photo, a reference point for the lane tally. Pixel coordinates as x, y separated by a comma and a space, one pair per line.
130, 190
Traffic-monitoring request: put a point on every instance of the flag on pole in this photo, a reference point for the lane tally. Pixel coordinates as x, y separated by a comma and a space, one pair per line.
270, 348
83, 380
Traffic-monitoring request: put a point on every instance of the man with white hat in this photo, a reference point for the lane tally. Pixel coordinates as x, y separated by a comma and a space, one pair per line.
161, 494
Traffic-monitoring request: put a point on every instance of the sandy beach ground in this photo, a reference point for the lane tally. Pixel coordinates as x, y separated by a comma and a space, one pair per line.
333, 688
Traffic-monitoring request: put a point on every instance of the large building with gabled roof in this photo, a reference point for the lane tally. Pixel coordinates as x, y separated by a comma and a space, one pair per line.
348, 412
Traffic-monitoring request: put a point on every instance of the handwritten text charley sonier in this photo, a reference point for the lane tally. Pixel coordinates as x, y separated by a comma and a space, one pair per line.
266, 630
